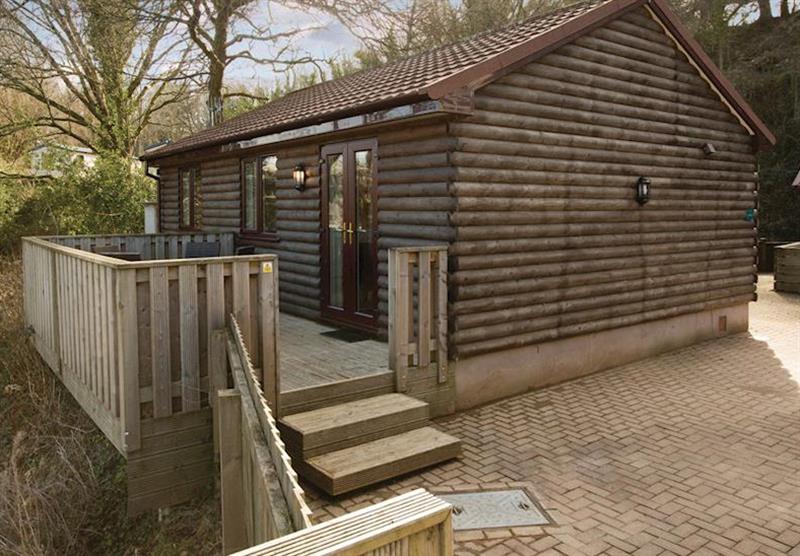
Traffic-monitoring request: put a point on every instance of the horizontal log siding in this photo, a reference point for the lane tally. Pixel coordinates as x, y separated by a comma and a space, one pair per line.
414, 202
299, 230
549, 239
168, 199
218, 194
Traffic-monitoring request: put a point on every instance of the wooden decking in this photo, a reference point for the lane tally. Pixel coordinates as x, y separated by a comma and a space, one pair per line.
309, 358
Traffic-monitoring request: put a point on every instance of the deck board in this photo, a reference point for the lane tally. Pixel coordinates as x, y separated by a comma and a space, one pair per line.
310, 359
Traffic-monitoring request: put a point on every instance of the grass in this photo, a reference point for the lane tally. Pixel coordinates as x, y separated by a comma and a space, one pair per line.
62, 484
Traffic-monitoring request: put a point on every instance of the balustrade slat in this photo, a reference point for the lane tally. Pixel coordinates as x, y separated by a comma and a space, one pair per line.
160, 342
424, 310
190, 344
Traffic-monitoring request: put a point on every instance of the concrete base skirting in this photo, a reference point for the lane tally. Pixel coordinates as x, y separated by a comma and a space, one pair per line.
492, 376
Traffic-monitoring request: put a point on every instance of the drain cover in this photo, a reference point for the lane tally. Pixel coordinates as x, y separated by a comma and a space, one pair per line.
499, 508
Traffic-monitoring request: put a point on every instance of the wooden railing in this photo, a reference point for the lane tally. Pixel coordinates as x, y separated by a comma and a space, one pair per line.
261, 497
151, 247
417, 311
412, 523
130, 339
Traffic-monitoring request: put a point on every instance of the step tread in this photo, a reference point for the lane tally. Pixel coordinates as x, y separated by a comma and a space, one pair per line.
351, 413
385, 458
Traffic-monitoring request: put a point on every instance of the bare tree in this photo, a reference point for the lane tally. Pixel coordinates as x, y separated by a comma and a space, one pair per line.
227, 31
99, 69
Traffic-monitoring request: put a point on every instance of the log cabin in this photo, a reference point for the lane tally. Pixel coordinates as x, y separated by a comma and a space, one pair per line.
591, 172
535, 203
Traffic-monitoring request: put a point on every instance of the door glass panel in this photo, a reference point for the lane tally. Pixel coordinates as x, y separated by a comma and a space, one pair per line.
366, 265
249, 176
269, 168
335, 169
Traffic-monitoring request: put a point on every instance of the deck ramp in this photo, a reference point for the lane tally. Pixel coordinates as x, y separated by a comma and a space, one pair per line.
348, 446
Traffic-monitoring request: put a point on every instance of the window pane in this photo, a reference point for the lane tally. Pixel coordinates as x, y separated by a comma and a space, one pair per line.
249, 198
197, 196
186, 198
335, 169
269, 169
365, 257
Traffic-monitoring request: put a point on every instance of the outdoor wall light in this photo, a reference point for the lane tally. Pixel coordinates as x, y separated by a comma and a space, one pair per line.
709, 149
299, 175
642, 190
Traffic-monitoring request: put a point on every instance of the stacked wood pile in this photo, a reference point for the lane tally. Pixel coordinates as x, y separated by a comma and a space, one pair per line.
549, 239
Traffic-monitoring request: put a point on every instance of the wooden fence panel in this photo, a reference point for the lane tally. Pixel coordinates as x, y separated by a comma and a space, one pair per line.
149, 246
70, 307
133, 342
261, 496
417, 315
413, 523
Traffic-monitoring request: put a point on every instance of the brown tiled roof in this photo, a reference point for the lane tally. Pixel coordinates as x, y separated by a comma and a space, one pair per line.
402, 81
434, 73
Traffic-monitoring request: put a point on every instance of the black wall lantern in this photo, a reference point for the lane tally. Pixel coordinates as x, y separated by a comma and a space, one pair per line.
642, 190
299, 175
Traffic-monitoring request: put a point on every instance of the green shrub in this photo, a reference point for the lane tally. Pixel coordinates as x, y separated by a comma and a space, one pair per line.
106, 198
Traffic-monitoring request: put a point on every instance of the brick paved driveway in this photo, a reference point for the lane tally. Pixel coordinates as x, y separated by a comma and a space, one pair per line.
693, 452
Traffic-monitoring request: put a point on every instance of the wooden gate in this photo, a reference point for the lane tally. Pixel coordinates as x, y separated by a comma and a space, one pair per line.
417, 311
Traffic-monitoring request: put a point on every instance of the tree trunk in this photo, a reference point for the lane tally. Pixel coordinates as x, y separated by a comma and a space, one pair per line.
765, 10
217, 64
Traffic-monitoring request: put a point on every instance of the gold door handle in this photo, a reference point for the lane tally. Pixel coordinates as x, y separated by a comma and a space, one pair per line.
348, 229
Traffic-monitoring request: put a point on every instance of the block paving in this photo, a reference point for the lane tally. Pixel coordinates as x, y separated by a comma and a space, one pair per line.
695, 451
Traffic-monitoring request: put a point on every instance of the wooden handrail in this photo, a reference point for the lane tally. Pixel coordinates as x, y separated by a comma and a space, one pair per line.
417, 311
413, 523
248, 436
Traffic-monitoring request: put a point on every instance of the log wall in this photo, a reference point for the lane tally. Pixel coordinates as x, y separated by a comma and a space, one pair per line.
550, 242
413, 204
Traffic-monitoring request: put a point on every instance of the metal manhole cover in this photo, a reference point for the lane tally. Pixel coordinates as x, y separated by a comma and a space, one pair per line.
499, 508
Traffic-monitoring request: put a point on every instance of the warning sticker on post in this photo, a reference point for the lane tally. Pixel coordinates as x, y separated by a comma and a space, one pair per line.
266, 268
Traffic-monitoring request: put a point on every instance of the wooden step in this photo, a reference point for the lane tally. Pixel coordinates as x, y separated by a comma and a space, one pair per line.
366, 464
341, 426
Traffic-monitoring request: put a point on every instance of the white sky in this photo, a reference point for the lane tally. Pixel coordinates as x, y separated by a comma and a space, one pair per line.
325, 38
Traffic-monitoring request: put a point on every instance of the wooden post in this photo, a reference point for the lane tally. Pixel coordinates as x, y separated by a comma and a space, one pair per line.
399, 294
128, 358
217, 376
234, 532
54, 285
268, 312
424, 316
441, 315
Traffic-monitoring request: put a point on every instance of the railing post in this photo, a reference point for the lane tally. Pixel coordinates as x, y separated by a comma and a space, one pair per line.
234, 532
268, 313
217, 376
128, 358
441, 315
399, 317
54, 277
